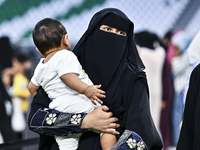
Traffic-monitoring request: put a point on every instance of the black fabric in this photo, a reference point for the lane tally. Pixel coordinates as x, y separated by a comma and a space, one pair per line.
47, 143
18, 144
115, 21
113, 61
90, 141
189, 138
146, 39
41, 100
5, 120
132, 56
100, 58
6, 53
3, 93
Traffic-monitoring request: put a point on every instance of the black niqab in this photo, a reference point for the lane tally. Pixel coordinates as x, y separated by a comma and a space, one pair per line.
104, 55
132, 56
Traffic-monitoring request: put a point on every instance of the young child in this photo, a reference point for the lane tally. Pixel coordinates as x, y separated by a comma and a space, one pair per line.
61, 76
15, 81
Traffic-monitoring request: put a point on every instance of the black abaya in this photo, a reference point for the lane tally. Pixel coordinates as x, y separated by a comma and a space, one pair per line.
189, 138
113, 61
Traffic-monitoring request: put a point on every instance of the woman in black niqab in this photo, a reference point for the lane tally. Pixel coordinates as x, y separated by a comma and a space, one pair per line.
113, 61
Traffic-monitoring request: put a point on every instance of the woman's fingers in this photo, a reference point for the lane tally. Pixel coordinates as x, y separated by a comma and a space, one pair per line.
101, 120
112, 123
105, 108
111, 131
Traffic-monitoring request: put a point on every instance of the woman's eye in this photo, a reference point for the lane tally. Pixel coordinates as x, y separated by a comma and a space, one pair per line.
122, 33
107, 29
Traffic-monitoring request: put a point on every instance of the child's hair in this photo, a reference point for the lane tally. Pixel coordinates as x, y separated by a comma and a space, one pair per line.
48, 34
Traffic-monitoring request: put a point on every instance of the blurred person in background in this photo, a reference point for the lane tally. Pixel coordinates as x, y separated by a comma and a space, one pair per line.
5, 116
194, 51
180, 72
194, 57
6, 108
16, 84
190, 134
6, 53
153, 56
167, 91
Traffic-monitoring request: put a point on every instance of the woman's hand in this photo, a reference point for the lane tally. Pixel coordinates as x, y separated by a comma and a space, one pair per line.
100, 120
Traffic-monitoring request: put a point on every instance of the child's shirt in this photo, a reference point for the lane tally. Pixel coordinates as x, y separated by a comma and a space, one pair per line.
48, 75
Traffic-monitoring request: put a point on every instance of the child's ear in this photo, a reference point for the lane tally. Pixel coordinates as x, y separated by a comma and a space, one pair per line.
66, 42
40, 52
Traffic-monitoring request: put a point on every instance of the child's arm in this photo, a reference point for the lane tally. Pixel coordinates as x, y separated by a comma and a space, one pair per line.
33, 89
92, 91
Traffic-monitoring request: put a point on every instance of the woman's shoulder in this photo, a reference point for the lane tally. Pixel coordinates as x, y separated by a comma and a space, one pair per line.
195, 75
196, 70
135, 72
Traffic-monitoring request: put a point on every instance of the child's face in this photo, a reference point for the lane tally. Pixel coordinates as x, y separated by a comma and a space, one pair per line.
112, 30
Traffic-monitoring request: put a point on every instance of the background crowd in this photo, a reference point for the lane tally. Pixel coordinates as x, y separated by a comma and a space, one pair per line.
169, 58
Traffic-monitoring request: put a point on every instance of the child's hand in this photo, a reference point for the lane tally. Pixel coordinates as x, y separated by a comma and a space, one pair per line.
93, 92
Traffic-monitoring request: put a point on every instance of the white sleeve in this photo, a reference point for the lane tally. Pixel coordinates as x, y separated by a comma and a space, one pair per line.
34, 78
68, 63
34, 81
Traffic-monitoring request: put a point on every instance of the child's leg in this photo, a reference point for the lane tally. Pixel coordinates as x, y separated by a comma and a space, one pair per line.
107, 141
66, 143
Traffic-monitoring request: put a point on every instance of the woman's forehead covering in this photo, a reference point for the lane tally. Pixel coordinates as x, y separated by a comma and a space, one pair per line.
112, 17
116, 21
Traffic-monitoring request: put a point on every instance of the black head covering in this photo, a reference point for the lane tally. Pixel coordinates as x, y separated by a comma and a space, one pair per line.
146, 39
113, 61
6, 53
106, 52
104, 55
